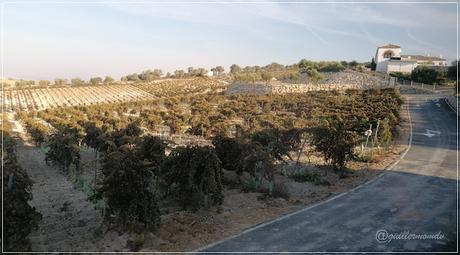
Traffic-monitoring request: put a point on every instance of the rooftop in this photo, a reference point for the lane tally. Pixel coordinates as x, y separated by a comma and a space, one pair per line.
390, 46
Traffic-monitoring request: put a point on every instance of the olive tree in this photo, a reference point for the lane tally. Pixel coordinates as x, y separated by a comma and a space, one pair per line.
95, 80
108, 80
77, 82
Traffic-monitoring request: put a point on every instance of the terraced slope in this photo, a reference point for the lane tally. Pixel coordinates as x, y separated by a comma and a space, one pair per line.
43, 98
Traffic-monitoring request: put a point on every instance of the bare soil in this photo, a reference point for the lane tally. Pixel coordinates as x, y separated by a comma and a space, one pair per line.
187, 231
71, 223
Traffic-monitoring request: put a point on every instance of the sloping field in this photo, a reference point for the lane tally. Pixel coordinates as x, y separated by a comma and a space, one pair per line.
43, 98
174, 87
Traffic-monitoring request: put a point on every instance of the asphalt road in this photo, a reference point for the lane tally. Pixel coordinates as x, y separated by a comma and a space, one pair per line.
417, 196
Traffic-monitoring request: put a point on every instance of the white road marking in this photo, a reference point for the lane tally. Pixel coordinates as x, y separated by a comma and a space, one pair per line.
317, 204
430, 133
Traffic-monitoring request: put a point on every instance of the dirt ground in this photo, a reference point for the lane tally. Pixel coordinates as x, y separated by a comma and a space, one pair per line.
187, 231
71, 223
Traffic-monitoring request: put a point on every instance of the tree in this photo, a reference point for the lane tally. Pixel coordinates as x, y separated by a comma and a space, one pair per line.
336, 142
218, 70
95, 80
258, 161
452, 71
37, 131
179, 73
234, 69
63, 150
77, 82
271, 139
108, 80
24, 83
191, 71
201, 72
19, 217
149, 75
44, 83
373, 65
152, 150
424, 74
194, 176
133, 77
228, 150
129, 190
353, 64
60, 82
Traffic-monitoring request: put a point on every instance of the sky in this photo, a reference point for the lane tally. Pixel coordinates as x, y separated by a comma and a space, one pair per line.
64, 39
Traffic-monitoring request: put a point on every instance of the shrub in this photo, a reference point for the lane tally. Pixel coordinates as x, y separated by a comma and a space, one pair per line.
336, 142
257, 161
18, 216
129, 191
194, 176
424, 74
304, 176
37, 131
63, 150
228, 150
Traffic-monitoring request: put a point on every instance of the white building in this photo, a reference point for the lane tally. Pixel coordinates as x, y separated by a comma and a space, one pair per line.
388, 59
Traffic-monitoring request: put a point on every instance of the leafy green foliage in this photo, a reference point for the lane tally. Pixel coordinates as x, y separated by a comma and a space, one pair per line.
304, 176
18, 216
258, 161
37, 131
64, 149
228, 150
425, 74
128, 189
336, 142
385, 134
194, 176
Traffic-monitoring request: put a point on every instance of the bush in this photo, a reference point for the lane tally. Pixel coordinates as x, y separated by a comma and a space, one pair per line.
63, 150
128, 189
37, 131
194, 176
304, 176
228, 150
18, 216
257, 161
399, 75
336, 142
425, 74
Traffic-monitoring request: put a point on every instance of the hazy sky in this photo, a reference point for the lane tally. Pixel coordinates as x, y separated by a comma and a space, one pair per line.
49, 40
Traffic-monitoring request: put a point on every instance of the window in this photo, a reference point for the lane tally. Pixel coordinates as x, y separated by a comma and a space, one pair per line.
388, 54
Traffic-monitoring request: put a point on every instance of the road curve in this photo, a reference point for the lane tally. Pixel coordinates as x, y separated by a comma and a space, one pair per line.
417, 196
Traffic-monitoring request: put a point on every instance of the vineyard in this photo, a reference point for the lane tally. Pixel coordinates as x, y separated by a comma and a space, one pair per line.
49, 97
173, 148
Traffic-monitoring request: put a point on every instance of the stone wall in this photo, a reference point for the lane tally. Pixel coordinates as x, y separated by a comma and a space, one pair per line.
333, 81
